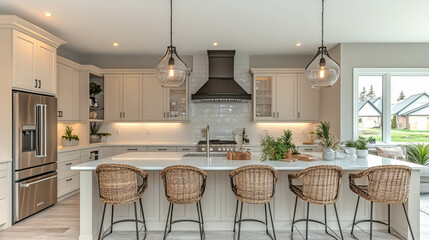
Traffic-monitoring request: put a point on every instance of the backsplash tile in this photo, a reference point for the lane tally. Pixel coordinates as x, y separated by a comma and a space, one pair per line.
223, 118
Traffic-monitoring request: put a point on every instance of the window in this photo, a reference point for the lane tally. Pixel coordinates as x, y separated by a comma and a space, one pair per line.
391, 105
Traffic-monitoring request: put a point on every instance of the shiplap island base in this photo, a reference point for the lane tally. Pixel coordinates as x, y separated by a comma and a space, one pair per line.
219, 202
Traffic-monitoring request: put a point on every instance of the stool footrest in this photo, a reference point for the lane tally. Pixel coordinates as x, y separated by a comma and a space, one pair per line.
121, 221
319, 222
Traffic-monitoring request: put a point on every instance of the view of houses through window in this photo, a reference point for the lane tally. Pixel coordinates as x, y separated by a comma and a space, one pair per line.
409, 107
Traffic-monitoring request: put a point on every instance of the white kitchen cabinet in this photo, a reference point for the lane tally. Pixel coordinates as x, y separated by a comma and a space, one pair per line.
68, 180
34, 64
120, 150
123, 97
5, 194
68, 93
281, 95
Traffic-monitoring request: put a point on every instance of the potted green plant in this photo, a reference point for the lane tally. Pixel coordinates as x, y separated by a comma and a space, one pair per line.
277, 148
328, 140
350, 147
69, 139
103, 136
418, 153
94, 90
287, 141
371, 140
94, 129
361, 148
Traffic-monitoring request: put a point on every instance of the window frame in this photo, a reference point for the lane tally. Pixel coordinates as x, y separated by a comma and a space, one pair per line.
386, 74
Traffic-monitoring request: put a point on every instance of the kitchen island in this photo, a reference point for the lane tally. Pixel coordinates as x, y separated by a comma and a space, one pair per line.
219, 202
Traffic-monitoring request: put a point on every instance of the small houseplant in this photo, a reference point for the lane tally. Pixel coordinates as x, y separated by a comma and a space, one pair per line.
103, 136
94, 90
328, 140
350, 147
69, 139
361, 148
418, 153
276, 148
371, 140
94, 129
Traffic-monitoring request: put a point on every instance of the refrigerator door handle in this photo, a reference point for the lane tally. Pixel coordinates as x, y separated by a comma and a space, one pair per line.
45, 143
26, 185
41, 130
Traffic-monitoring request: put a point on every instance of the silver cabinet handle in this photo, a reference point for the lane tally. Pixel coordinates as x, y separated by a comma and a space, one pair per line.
68, 164
35, 83
164, 114
123, 114
168, 114
132, 149
299, 114
26, 185
278, 115
274, 114
68, 180
162, 149
40, 83
120, 115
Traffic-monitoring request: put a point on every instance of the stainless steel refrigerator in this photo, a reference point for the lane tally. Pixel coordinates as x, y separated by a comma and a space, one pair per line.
34, 153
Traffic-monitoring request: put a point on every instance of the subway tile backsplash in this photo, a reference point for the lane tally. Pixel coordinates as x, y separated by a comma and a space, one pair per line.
223, 118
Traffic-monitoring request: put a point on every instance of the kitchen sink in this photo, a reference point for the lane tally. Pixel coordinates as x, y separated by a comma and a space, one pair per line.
202, 154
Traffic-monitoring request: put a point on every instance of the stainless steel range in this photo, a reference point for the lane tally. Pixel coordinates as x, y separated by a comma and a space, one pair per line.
217, 146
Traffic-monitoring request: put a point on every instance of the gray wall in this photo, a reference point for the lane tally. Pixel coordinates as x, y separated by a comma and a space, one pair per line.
127, 61
69, 54
374, 55
279, 61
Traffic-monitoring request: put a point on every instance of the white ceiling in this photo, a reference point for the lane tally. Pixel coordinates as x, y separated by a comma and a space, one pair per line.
251, 26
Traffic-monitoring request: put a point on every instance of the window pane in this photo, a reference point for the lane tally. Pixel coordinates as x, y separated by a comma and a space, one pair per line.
370, 106
410, 108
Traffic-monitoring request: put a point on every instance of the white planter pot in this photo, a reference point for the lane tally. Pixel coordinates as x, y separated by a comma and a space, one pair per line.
103, 139
350, 150
328, 154
361, 153
67, 143
94, 139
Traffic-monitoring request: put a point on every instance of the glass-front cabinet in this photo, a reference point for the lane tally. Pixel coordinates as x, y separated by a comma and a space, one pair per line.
177, 103
263, 97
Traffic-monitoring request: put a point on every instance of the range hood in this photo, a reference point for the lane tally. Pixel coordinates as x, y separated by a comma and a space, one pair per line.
221, 86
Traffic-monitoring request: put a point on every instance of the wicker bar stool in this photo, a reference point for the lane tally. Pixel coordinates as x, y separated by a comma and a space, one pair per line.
118, 184
321, 185
386, 185
254, 184
184, 185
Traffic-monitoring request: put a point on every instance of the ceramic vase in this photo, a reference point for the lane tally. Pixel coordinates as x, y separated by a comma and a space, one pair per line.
94, 139
362, 153
67, 143
350, 150
328, 154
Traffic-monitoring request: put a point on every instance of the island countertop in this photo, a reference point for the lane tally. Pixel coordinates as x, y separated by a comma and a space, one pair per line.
152, 161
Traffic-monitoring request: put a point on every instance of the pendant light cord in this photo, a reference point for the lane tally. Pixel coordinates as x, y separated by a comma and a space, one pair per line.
323, 12
171, 22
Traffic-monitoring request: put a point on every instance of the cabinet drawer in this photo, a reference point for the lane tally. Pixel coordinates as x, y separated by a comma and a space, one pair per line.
186, 149
3, 187
64, 169
68, 185
68, 156
161, 149
120, 150
3, 211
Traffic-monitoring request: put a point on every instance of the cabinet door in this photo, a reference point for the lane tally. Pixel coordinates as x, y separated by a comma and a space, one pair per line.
153, 99
46, 61
24, 62
264, 105
177, 103
308, 100
132, 97
113, 97
286, 97
68, 93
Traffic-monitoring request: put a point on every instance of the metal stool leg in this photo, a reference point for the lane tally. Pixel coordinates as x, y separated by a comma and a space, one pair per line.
266, 218
239, 221
354, 218
370, 225
171, 218
326, 222
166, 222
137, 223
294, 213
235, 217
202, 220
272, 222
388, 218
111, 220
306, 224
199, 221
338, 221
102, 220
144, 219
408, 220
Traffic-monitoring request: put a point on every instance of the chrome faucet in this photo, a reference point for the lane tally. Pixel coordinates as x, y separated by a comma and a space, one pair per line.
206, 133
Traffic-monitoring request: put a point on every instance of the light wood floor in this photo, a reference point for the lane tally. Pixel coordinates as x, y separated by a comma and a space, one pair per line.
61, 222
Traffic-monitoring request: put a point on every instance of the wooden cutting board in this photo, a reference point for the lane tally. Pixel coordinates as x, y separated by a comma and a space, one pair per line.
238, 155
288, 160
304, 157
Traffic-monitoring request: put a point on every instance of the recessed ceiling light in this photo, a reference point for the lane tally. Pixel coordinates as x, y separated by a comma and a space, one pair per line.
215, 44
298, 44
48, 14
115, 44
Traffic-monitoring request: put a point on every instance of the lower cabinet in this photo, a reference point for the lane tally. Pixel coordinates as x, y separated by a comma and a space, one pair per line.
120, 150
68, 180
5, 195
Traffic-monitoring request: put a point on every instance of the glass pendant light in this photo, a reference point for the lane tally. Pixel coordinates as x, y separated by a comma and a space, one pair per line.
322, 71
171, 71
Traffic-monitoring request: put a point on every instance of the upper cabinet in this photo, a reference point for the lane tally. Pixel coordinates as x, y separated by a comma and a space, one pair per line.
283, 95
68, 93
123, 97
34, 64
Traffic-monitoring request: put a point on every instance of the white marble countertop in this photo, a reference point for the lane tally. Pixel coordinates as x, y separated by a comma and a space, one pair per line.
221, 163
